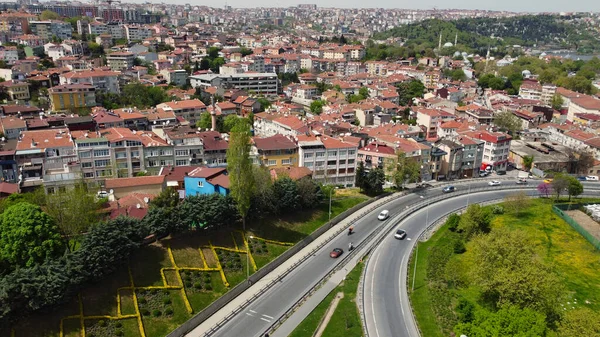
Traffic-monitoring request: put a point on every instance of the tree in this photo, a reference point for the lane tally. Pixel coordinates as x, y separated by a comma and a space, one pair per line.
263, 199
374, 181
231, 121
583, 161
507, 268
163, 216
264, 103
309, 192
508, 321
404, 169
49, 15
239, 167
507, 121
317, 106
544, 189
557, 102
361, 176
207, 211
363, 92
528, 162
286, 195
74, 210
476, 220
409, 90
517, 202
579, 322
28, 236
574, 188
205, 121
559, 184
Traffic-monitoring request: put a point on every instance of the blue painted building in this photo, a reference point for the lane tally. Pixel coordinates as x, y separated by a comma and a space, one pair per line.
207, 180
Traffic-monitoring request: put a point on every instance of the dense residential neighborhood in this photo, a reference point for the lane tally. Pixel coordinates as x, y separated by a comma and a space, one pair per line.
161, 120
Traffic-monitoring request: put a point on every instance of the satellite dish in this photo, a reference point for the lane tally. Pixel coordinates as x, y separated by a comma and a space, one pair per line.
146, 199
111, 191
138, 206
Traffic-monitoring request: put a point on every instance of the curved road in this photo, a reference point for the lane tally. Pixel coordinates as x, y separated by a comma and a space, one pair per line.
387, 309
260, 314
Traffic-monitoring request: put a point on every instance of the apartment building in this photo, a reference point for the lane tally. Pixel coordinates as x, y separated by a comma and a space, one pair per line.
137, 33
106, 81
68, 97
12, 126
187, 144
431, 119
257, 83
120, 61
126, 152
530, 90
215, 148
275, 152
190, 110
332, 161
51, 28
377, 155
176, 76
16, 90
266, 125
96, 158
157, 152
9, 54
495, 150
583, 104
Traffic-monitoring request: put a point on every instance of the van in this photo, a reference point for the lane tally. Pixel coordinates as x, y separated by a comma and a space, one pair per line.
383, 215
591, 178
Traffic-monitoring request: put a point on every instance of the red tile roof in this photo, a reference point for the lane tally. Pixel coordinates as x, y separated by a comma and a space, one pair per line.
276, 142
134, 181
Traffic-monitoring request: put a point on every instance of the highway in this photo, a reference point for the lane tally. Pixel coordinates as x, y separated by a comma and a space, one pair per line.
386, 306
260, 314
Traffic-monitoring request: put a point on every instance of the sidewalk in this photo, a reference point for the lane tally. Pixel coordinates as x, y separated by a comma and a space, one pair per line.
256, 288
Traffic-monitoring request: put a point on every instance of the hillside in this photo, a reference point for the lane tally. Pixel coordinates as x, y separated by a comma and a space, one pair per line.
479, 33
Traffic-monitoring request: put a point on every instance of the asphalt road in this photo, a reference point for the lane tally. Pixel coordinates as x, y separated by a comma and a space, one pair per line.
258, 316
387, 308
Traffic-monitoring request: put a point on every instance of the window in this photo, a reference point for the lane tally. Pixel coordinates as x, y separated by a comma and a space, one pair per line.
121, 155
272, 162
86, 154
86, 164
332, 153
122, 165
351, 152
181, 162
286, 161
181, 153
342, 152
89, 175
320, 154
101, 153
102, 163
343, 161
308, 155
135, 154
309, 165
320, 164
201, 183
133, 143
350, 161
168, 152
331, 162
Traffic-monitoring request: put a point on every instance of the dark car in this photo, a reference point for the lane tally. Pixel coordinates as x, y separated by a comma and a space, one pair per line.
336, 252
501, 173
400, 234
581, 178
448, 189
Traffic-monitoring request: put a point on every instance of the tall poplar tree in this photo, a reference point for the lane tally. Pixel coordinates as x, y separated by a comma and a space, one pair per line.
239, 167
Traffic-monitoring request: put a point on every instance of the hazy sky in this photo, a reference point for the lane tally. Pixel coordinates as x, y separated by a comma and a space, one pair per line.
509, 5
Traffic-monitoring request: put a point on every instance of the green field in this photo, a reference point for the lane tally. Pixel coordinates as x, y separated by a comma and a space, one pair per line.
572, 258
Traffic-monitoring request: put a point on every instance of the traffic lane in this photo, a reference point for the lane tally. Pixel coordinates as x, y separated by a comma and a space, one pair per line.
260, 314
389, 302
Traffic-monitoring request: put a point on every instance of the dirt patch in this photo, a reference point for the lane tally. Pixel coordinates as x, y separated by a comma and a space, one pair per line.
211, 260
586, 222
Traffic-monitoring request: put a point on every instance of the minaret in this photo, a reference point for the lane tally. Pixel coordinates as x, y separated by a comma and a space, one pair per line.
440, 43
213, 114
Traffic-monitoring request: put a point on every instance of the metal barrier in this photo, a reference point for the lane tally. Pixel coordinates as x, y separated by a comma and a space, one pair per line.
559, 210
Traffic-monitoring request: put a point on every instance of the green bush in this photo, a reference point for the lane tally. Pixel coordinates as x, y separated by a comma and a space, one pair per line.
497, 209
452, 221
142, 300
119, 333
156, 313
102, 323
208, 287
198, 285
166, 300
169, 311
118, 324
145, 312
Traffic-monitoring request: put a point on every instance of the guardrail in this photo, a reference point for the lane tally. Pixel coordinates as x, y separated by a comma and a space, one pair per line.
240, 288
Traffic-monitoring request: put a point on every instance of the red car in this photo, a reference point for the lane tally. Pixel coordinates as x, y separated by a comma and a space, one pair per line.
336, 252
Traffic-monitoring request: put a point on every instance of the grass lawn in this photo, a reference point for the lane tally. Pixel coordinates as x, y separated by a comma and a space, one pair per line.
575, 261
420, 298
145, 265
345, 321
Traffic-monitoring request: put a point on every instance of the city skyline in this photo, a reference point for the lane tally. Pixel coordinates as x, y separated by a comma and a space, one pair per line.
510, 5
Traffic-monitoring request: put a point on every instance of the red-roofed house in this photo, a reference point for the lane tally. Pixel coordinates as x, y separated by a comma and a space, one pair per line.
495, 150
207, 180
332, 161
275, 151
377, 155
121, 187
190, 109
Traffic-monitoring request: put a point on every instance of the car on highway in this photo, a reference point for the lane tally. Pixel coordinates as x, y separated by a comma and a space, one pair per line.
547, 181
400, 234
336, 252
591, 178
494, 183
383, 215
448, 189
522, 181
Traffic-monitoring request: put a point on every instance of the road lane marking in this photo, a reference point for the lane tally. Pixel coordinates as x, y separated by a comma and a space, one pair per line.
400, 285
252, 311
249, 314
266, 320
372, 296
408, 239
267, 316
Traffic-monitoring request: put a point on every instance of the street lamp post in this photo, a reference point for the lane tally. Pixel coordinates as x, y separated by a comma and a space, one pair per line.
330, 192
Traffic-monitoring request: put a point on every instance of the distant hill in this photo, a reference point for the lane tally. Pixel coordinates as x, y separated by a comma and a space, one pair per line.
479, 33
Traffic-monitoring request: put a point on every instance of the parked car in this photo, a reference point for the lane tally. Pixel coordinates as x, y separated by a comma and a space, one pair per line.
547, 181
400, 234
582, 178
448, 189
102, 194
336, 252
522, 181
591, 178
483, 173
494, 183
383, 215
500, 173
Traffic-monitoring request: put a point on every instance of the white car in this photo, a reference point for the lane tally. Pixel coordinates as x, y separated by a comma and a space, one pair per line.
383, 215
102, 194
591, 178
494, 183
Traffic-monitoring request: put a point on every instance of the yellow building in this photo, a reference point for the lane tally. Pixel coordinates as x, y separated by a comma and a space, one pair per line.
275, 152
16, 90
72, 96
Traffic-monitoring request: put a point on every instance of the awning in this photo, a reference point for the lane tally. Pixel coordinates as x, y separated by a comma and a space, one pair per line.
32, 151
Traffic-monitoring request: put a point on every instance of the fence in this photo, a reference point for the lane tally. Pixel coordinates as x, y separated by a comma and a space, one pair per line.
240, 288
559, 210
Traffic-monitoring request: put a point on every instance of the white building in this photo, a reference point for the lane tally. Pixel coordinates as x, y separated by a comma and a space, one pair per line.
257, 83
332, 161
101, 79
137, 33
